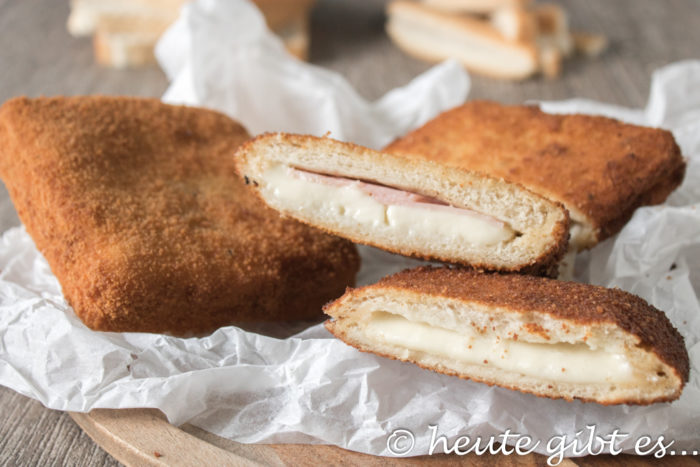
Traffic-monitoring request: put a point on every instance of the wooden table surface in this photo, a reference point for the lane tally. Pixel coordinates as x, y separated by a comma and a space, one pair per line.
38, 57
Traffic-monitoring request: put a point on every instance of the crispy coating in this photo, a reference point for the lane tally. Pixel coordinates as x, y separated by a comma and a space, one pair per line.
596, 166
575, 302
137, 208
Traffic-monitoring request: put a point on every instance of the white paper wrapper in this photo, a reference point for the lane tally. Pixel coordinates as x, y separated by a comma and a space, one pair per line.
313, 388
219, 54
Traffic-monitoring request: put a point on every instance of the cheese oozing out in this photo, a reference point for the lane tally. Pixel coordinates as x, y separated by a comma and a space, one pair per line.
397, 212
562, 362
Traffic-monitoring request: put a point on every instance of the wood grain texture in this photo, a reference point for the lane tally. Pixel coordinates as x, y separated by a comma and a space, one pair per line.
37, 56
143, 437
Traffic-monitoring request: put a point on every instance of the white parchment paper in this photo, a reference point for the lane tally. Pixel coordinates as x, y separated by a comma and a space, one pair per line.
313, 388
220, 55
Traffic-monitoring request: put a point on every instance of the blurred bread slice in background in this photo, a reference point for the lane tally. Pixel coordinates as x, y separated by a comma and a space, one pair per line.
86, 14
289, 19
515, 24
281, 13
123, 41
474, 6
553, 28
588, 44
125, 32
434, 35
508, 39
551, 61
297, 39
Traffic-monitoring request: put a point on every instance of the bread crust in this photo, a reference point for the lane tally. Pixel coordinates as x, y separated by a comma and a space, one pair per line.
547, 264
599, 168
138, 210
574, 302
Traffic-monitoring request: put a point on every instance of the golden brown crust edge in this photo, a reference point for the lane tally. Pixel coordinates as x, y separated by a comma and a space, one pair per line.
618, 168
657, 194
547, 264
578, 303
182, 254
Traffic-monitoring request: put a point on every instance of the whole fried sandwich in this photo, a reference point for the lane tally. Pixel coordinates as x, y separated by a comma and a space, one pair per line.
137, 208
601, 169
546, 337
412, 207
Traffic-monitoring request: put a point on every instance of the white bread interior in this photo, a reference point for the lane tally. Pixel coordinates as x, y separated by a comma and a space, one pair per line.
433, 35
515, 24
649, 380
538, 221
474, 6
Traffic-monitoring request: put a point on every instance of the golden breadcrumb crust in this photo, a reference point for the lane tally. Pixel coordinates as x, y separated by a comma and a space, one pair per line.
547, 264
599, 166
575, 302
137, 208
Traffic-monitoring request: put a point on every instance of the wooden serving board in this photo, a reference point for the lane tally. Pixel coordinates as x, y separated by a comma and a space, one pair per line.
143, 437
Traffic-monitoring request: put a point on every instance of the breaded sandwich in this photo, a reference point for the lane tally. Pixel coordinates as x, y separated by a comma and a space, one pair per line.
550, 338
601, 169
411, 207
138, 210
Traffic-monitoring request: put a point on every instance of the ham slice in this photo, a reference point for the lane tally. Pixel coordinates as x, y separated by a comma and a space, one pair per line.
390, 196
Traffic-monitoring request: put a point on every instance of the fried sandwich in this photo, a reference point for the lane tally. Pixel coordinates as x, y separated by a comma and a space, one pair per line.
601, 169
546, 337
138, 210
412, 207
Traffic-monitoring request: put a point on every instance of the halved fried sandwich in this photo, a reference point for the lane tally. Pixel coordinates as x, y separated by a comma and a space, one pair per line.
550, 338
412, 207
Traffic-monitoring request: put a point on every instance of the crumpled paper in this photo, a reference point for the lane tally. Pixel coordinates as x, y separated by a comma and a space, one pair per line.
221, 55
313, 388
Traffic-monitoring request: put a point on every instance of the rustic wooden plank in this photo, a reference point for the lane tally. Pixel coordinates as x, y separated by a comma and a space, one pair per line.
134, 436
31, 434
144, 437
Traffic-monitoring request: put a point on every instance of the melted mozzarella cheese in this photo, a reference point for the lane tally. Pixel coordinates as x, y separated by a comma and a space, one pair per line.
348, 199
574, 363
